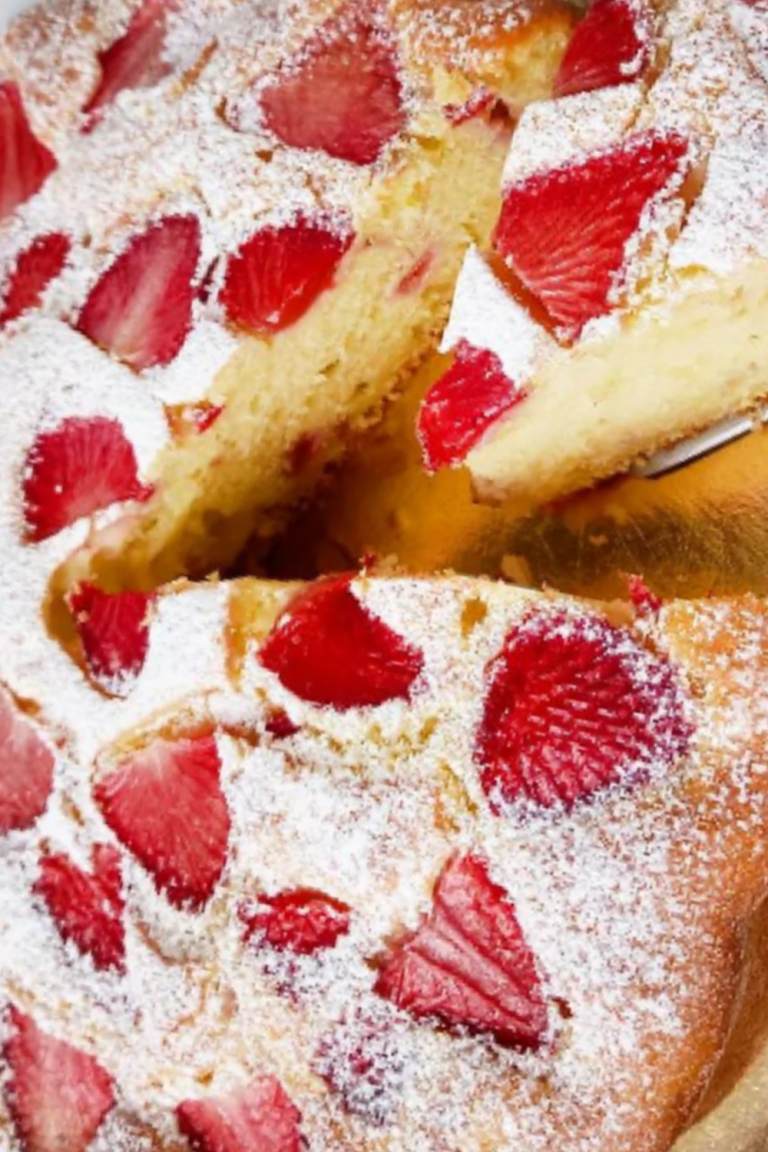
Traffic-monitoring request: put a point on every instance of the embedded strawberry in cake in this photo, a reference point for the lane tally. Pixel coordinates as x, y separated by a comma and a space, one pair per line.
25, 163
343, 94
87, 907
468, 964
36, 267
299, 921
277, 275
26, 769
57, 1096
258, 1118
574, 706
114, 634
76, 469
362, 1060
330, 650
136, 59
612, 45
166, 805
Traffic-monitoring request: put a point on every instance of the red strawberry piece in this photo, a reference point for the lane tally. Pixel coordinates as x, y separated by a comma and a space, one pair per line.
57, 1096
35, 268
343, 94
259, 1118
141, 309
114, 634
565, 232
26, 769
468, 964
328, 649
166, 805
82, 466
279, 273
481, 99
136, 59
646, 602
463, 404
205, 415
280, 726
611, 46
575, 705
300, 921
25, 163
87, 907
361, 1061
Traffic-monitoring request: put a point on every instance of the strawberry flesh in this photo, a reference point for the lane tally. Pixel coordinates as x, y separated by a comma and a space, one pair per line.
645, 602
57, 1096
141, 309
300, 921
361, 1061
87, 907
25, 163
114, 634
277, 275
342, 95
564, 232
468, 964
165, 804
258, 1118
573, 706
463, 404
26, 769
329, 650
36, 267
82, 466
135, 60
611, 46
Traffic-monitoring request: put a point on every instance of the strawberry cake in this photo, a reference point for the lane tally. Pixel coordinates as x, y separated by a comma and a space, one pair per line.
382, 863
622, 303
226, 231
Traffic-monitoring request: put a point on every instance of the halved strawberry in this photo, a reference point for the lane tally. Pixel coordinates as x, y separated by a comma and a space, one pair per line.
114, 634
564, 232
279, 273
35, 268
25, 163
141, 309
575, 705
468, 964
57, 1096
361, 1060
611, 46
342, 95
136, 59
462, 405
301, 921
327, 648
82, 466
258, 1118
166, 805
26, 769
87, 906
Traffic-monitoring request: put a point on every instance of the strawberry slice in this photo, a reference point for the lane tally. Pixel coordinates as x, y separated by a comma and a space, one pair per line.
301, 921
575, 705
26, 769
114, 634
468, 964
258, 1118
82, 466
565, 232
166, 805
463, 404
361, 1061
611, 46
342, 95
141, 309
136, 59
279, 273
35, 268
25, 163
87, 907
57, 1096
328, 649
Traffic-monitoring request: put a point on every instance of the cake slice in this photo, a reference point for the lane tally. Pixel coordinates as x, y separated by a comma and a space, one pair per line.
253, 214
376, 863
621, 305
